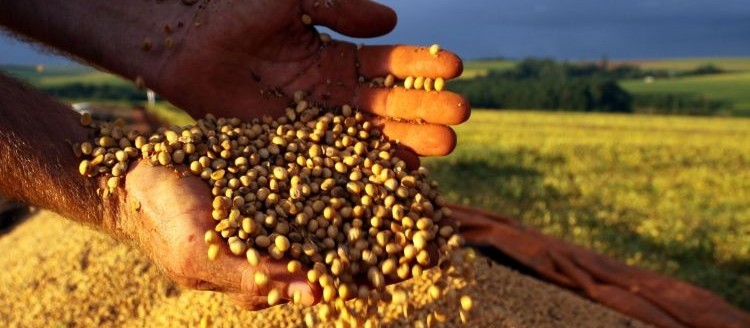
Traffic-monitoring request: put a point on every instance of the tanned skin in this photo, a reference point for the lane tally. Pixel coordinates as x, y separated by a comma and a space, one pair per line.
227, 57
158, 211
38, 163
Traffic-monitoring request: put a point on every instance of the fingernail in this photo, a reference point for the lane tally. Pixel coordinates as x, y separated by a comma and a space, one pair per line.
307, 298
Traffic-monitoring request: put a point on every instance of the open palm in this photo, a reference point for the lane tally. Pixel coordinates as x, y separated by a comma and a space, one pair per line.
167, 216
247, 59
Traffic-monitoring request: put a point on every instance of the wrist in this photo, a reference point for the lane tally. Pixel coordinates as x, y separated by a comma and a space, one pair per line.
123, 208
103, 208
115, 218
40, 168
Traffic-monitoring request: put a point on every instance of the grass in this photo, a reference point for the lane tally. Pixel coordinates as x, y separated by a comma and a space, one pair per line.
61, 75
666, 193
730, 87
169, 113
86, 77
477, 68
686, 64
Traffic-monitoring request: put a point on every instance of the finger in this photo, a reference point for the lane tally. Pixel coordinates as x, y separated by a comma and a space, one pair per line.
404, 60
280, 279
414, 105
409, 157
469, 221
235, 275
422, 139
355, 18
249, 302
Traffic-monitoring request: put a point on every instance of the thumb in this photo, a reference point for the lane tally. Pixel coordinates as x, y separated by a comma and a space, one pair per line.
278, 278
354, 18
233, 274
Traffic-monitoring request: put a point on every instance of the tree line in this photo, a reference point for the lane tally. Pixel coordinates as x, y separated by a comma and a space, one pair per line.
592, 87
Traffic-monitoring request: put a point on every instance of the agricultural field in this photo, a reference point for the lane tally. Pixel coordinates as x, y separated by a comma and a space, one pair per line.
481, 67
685, 64
730, 87
665, 193
739, 64
59, 76
62, 75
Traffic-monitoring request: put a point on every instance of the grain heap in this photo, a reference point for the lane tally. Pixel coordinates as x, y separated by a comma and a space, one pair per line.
88, 279
320, 189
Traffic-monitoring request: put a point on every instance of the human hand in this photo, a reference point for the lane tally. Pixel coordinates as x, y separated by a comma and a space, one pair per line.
247, 59
166, 215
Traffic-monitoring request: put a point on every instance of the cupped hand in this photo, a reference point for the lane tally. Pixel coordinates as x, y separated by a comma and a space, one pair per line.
167, 215
246, 59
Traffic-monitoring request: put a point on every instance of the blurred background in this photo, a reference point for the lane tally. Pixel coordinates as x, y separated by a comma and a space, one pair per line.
621, 126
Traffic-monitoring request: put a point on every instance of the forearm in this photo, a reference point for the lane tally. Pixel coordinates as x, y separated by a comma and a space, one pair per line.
38, 163
130, 38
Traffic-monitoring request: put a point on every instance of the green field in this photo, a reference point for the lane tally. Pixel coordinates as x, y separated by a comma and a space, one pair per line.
738, 64
685, 64
61, 75
476, 68
730, 87
671, 194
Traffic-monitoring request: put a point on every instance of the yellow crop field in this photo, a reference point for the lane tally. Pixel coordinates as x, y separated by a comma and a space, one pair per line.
668, 193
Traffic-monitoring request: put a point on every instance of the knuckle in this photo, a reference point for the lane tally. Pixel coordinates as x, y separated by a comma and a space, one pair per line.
250, 305
199, 284
195, 284
248, 285
445, 141
465, 109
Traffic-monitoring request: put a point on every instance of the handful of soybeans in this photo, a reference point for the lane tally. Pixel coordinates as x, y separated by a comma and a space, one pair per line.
319, 189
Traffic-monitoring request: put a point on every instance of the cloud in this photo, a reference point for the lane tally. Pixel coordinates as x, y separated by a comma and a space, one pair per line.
567, 29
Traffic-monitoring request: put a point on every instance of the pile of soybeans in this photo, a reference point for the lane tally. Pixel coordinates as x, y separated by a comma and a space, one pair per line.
320, 189
323, 191
88, 279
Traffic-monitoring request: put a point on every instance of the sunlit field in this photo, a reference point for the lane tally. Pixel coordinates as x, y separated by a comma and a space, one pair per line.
684, 64
671, 194
733, 88
61, 75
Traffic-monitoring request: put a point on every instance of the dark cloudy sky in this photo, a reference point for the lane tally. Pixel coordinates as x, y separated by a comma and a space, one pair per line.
564, 29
